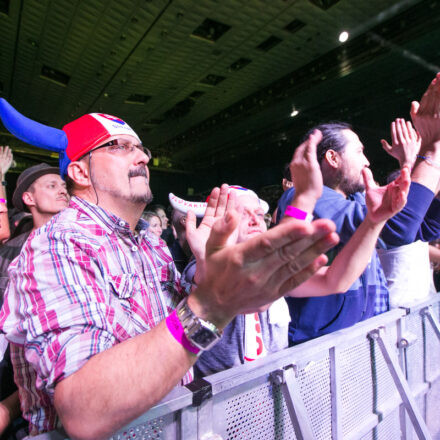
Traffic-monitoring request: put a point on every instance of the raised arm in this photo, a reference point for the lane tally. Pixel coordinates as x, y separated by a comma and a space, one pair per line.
348, 265
425, 117
306, 176
6, 159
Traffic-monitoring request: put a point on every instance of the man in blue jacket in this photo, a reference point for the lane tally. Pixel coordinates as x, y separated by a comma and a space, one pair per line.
341, 157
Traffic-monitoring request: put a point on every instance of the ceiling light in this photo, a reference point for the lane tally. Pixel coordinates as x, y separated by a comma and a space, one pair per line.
343, 36
294, 113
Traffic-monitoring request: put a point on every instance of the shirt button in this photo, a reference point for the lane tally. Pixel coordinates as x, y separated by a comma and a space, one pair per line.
134, 248
121, 223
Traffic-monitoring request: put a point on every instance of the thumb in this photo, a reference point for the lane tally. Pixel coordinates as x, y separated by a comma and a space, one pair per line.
404, 179
221, 231
385, 145
368, 179
312, 145
415, 105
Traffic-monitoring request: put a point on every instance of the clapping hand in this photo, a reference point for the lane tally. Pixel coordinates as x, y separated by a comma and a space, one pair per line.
6, 159
220, 204
385, 201
306, 174
426, 114
405, 143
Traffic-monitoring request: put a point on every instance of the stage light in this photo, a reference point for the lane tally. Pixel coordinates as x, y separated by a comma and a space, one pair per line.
343, 36
294, 113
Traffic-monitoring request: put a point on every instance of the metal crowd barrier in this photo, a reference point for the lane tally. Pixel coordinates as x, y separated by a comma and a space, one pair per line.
379, 379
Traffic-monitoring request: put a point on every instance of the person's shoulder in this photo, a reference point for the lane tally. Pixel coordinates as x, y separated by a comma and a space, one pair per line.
70, 226
287, 195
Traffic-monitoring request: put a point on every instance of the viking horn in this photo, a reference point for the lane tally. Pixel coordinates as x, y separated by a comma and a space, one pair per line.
30, 131
198, 208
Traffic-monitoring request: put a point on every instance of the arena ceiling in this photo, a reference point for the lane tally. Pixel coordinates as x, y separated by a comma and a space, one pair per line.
211, 85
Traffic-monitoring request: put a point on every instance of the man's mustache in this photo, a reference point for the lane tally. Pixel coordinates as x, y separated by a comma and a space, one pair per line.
140, 171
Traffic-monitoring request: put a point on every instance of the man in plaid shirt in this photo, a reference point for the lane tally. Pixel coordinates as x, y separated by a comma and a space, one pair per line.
89, 311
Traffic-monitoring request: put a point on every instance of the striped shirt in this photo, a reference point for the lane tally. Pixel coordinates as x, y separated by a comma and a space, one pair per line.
82, 283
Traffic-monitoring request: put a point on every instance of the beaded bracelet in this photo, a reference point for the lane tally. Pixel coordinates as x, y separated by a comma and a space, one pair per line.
429, 161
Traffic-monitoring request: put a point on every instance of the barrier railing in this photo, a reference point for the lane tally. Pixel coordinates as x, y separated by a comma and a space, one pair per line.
379, 379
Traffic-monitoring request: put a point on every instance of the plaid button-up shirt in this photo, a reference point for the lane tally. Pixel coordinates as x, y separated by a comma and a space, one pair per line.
83, 283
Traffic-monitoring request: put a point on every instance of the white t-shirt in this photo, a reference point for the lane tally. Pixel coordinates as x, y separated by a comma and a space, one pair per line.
408, 272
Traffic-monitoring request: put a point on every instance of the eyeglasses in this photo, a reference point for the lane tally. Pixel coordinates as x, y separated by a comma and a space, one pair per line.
117, 146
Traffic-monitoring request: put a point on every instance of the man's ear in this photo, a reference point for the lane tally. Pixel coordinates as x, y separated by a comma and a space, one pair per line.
79, 172
28, 198
287, 184
182, 220
332, 158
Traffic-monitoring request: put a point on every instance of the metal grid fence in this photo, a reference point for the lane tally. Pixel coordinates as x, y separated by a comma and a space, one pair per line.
379, 379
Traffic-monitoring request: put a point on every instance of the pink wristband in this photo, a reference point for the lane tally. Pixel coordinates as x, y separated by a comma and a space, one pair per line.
299, 214
2, 200
175, 327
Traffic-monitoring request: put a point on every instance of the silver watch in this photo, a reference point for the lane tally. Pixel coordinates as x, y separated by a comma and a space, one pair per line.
202, 334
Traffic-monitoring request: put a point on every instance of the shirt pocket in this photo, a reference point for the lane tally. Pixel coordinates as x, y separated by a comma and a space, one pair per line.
124, 285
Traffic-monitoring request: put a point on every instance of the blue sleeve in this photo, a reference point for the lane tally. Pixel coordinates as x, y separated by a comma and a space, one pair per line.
410, 224
430, 228
283, 202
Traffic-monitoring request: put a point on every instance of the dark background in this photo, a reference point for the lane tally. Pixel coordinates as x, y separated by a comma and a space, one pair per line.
210, 85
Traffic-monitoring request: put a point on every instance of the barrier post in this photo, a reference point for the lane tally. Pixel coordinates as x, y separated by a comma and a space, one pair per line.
435, 325
298, 414
335, 380
401, 385
404, 340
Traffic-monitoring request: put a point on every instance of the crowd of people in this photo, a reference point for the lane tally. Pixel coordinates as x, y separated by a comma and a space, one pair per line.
106, 307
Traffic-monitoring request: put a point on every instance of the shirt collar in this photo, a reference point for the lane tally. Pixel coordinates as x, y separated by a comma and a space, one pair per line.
109, 221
